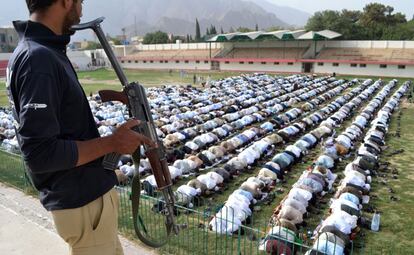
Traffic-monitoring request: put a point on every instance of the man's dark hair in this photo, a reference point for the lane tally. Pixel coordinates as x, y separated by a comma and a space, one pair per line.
38, 5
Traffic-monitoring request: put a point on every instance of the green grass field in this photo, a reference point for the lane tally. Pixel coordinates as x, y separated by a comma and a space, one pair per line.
151, 77
397, 225
93, 81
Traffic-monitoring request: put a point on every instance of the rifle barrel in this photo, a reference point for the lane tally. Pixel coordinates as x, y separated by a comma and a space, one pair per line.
110, 54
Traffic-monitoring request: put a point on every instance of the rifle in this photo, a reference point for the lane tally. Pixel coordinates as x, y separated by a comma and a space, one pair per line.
134, 97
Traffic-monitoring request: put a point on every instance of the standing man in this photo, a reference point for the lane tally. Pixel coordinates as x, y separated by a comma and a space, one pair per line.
57, 133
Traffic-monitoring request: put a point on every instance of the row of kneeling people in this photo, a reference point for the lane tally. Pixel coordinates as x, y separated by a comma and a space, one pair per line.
316, 181
231, 216
166, 106
229, 105
241, 117
249, 156
216, 153
202, 141
192, 163
8, 140
345, 217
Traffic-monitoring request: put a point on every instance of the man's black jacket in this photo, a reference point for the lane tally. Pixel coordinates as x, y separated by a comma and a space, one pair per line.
52, 112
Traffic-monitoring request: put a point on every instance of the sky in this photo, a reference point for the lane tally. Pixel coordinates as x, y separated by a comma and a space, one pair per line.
311, 6
16, 9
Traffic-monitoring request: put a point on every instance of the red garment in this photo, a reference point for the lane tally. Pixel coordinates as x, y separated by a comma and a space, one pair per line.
277, 247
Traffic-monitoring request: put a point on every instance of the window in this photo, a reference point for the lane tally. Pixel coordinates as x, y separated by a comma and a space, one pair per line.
186, 61
250, 62
226, 62
401, 66
151, 61
161, 61
177, 61
205, 61
197, 61
241, 62
263, 63
166, 61
354, 65
136, 61
320, 64
276, 63
144, 61
363, 65
290, 64
383, 66
122, 61
335, 64
2, 38
129, 61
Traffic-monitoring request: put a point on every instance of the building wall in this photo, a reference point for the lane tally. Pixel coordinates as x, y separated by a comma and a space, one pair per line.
369, 44
301, 44
273, 44
123, 50
259, 67
369, 70
4, 60
180, 46
295, 67
82, 60
182, 65
8, 39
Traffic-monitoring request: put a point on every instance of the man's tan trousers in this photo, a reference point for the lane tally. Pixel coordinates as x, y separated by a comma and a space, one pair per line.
93, 228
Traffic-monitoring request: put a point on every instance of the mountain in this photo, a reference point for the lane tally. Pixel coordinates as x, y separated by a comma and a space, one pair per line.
178, 16
173, 16
288, 15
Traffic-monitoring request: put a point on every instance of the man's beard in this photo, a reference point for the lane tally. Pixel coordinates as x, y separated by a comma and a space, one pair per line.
72, 18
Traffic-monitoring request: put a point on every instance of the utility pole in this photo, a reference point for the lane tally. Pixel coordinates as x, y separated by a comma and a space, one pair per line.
123, 34
124, 42
136, 30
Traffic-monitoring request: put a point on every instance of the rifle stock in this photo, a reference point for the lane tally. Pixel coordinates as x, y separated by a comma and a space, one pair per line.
112, 95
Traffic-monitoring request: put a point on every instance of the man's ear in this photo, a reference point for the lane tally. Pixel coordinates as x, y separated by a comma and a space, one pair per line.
67, 4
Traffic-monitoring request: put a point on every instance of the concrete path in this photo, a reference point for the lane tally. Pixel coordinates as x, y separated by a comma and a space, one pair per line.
27, 228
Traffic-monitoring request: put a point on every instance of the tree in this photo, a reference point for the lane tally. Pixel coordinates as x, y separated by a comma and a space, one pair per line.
257, 27
325, 20
93, 46
115, 40
231, 30
198, 33
375, 22
273, 28
378, 20
188, 38
244, 29
213, 30
222, 31
156, 38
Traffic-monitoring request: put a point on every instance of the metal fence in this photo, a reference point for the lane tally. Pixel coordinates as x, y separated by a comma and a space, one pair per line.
197, 238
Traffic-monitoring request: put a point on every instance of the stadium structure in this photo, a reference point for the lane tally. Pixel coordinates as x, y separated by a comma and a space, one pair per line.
4, 59
279, 52
272, 52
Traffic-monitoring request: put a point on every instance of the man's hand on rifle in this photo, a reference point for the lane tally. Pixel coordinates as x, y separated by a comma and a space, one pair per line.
126, 141
123, 141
